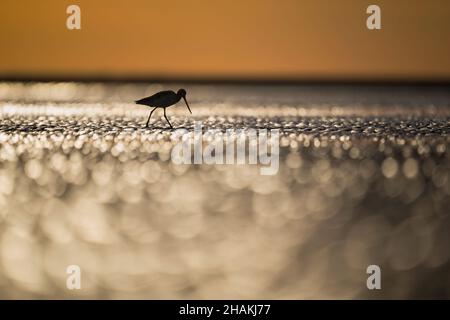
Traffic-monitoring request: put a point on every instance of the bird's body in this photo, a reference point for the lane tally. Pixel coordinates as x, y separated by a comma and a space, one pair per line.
163, 99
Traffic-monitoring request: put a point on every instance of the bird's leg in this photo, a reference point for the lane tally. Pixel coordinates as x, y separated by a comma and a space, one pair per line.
150, 116
167, 119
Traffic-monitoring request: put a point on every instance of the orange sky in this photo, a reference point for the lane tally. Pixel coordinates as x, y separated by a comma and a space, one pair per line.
262, 39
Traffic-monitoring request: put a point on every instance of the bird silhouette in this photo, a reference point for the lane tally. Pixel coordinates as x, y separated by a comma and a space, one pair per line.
163, 99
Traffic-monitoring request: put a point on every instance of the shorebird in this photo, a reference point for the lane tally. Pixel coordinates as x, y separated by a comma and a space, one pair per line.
163, 99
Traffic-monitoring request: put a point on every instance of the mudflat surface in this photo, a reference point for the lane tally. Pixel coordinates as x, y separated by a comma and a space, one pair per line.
363, 179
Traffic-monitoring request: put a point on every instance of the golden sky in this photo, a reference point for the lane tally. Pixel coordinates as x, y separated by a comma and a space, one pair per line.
261, 39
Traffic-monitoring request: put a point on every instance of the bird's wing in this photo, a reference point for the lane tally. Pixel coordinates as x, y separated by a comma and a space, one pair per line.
155, 99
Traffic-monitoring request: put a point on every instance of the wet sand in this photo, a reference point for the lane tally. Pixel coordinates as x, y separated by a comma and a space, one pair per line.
363, 179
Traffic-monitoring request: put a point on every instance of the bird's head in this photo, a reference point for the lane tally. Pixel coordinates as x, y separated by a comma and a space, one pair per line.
182, 94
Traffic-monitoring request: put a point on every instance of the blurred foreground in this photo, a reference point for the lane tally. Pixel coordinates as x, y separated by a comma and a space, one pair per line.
364, 179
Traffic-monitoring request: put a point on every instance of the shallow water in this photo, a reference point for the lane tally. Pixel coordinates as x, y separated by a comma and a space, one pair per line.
363, 179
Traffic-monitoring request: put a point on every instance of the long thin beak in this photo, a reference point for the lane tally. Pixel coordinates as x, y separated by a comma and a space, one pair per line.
187, 105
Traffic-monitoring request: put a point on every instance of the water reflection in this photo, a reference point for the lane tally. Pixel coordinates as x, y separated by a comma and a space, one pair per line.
86, 183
